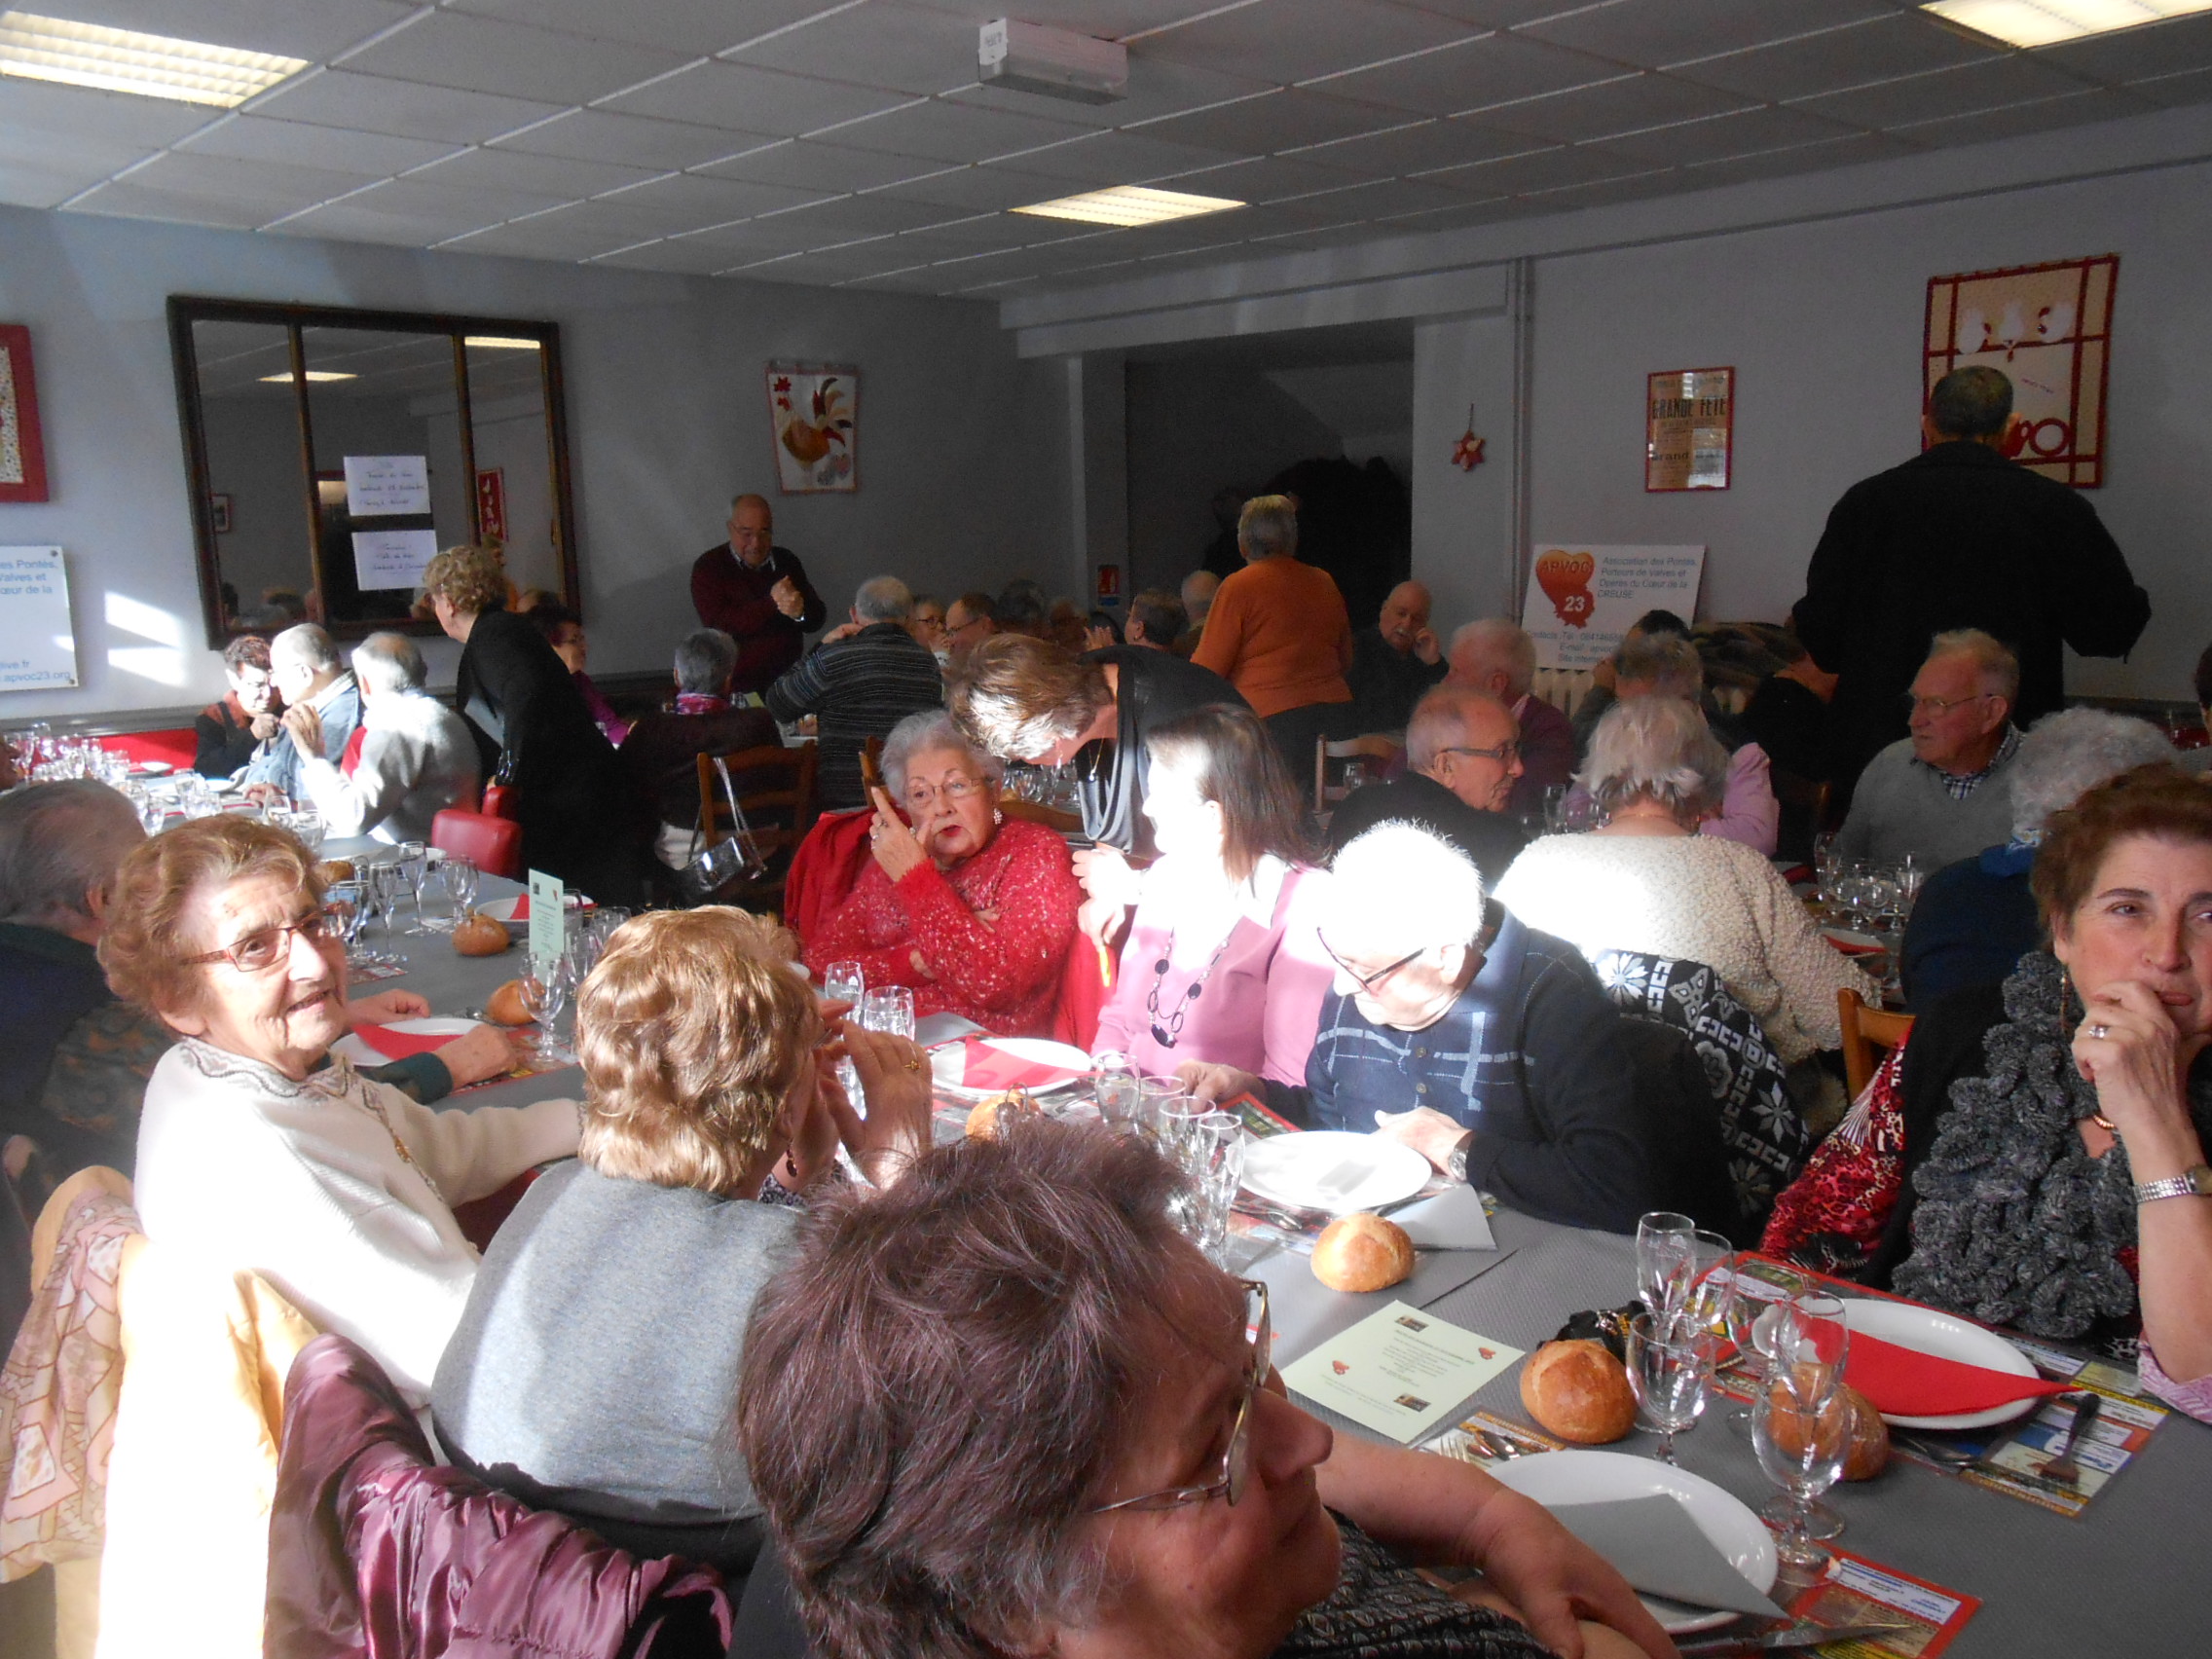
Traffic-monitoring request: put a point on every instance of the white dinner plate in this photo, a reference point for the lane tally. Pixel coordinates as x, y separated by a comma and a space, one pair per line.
1927, 1331
438, 1026
152, 768
1851, 942
1599, 1477
1333, 1170
948, 1061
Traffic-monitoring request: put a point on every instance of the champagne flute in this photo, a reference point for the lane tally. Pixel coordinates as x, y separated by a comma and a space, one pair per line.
847, 982
1758, 1325
1665, 1258
1670, 1367
347, 904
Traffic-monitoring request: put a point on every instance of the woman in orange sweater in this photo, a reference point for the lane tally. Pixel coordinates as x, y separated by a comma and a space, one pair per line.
1278, 632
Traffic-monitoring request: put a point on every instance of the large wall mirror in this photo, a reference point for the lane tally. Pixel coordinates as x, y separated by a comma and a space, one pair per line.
331, 452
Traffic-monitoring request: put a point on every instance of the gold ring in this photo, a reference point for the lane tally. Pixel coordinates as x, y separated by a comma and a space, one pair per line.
913, 1065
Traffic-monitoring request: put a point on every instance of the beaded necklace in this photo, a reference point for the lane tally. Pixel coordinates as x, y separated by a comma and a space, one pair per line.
1167, 1029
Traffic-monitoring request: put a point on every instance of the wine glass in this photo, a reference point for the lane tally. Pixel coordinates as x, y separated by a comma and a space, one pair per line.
1669, 1368
1215, 1160
544, 987
1665, 1259
461, 882
309, 827
1709, 1301
1800, 1429
889, 1008
347, 904
386, 882
1758, 1325
1810, 1333
845, 982
413, 862
1115, 1091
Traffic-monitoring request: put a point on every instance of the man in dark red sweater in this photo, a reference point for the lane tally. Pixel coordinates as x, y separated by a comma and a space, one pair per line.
758, 594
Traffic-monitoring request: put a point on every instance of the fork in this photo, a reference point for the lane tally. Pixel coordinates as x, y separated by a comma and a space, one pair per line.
2064, 1471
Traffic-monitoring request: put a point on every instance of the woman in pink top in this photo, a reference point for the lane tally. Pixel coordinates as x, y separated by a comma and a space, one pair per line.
1223, 964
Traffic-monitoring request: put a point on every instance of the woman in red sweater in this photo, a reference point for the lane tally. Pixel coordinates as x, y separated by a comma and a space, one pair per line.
972, 913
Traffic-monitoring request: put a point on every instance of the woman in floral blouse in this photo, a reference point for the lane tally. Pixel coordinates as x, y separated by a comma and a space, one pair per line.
972, 913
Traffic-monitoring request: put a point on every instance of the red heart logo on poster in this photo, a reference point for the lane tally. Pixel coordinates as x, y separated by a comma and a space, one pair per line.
1340, 1368
1564, 578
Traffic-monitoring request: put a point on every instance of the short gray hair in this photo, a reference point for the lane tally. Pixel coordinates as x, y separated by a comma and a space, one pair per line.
2066, 755
59, 842
1998, 668
1268, 526
1404, 888
1667, 662
1658, 748
704, 661
932, 728
1494, 642
389, 662
1440, 721
883, 598
309, 644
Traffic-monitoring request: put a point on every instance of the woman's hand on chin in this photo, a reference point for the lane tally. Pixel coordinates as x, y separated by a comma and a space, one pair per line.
2140, 1064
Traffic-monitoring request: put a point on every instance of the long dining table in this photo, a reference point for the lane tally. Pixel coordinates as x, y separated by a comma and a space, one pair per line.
2124, 1577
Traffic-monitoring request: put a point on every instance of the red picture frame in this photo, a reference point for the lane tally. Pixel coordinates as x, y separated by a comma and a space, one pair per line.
22, 445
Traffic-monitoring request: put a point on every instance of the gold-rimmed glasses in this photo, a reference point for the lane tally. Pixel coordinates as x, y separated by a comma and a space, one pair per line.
1237, 1458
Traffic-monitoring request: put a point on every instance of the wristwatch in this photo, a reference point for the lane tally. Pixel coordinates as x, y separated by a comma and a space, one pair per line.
1455, 1166
2193, 1183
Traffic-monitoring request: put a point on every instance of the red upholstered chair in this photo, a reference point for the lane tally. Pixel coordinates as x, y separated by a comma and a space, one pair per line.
493, 843
824, 870
176, 748
1087, 980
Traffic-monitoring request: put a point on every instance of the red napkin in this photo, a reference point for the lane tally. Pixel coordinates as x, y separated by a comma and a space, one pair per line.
522, 909
986, 1067
398, 1045
1905, 1383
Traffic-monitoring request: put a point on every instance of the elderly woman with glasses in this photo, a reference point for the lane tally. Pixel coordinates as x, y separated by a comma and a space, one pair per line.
260, 1150
974, 912
983, 1424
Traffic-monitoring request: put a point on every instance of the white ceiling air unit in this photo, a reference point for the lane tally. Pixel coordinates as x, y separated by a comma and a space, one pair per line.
1030, 58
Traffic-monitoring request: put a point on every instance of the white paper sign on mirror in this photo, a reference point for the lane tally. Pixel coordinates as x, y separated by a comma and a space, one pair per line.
385, 486
392, 558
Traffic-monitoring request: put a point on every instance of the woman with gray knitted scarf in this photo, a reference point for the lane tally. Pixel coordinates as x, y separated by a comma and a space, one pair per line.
2055, 1128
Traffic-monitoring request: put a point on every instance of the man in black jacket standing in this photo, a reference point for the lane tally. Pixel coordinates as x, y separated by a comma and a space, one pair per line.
1959, 537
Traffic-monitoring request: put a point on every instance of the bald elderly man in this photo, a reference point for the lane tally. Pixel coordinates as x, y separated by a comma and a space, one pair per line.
758, 594
1396, 661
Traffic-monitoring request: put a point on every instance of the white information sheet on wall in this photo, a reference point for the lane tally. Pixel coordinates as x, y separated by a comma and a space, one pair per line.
392, 558
380, 486
38, 647
1584, 598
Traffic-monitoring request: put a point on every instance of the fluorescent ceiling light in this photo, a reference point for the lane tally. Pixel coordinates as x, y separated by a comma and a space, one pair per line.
2045, 23
1134, 204
511, 342
286, 379
123, 60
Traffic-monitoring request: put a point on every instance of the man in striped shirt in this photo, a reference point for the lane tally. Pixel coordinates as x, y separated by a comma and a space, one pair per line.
861, 681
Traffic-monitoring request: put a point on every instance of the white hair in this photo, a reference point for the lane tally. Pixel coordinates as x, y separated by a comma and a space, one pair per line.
932, 729
1399, 887
705, 659
1993, 660
1440, 721
389, 662
1478, 648
307, 644
1659, 748
2066, 755
883, 598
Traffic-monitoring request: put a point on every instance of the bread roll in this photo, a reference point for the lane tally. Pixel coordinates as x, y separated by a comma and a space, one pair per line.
1579, 1392
335, 869
985, 1117
479, 934
1362, 1252
505, 1005
1867, 1447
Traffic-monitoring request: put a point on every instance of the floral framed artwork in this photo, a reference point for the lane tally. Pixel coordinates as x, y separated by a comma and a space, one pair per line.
814, 425
22, 446
2049, 328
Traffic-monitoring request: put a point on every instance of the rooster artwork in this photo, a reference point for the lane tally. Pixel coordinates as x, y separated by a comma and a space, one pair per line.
814, 414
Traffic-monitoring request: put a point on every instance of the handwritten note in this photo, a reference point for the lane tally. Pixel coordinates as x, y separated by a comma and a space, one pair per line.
392, 558
38, 647
380, 486
1400, 1372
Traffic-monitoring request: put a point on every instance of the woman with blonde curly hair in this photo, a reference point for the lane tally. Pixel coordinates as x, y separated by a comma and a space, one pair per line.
594, 1368
583, 817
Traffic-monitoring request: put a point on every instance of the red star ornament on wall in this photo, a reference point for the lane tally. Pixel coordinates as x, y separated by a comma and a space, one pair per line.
1467, 452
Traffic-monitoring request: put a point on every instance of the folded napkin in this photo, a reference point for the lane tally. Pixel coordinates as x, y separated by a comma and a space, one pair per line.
1452, 1219
986, 1067
521, 909
1904, 1381
398, 1045
1654, 1544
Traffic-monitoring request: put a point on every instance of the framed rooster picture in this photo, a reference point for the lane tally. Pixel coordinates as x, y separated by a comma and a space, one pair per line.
814, 413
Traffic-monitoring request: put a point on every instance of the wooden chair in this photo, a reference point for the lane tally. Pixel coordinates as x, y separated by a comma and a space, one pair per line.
871, 766
775, 791
1371, 746
1865, 1029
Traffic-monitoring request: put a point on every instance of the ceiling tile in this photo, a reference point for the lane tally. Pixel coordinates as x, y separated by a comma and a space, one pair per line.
835, 266
749, 99
690, 27
1650, 33
961, 237
807, 164
1516, 174
848, 216
939, 129
1157, 86
337, 97
680, 257
2171, 92
357, 219
689, 201
1275, 121
477, 205
1295, 40
606, 224
1117, 158
1990, 85
629, 140
368, 155
559, 235
483, 55
2041, 116
108, 119
1472, 213
286, 27
2136, 55
1490, 69
1375, 199
1267, 178
122, 198
261, 189
882, 44
1816, 157
1629, 187
1615, 106
514, 169
28, 181
1495, 14
1427, 143
1836, 58
981, 190
1746, 133
739, 244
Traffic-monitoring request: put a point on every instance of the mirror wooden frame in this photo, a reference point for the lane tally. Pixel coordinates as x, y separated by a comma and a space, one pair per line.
185, 310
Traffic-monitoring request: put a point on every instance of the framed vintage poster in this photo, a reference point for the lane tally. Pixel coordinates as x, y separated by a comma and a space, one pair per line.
814, 422
1689, 428
22, 447
492, 505
2049, 328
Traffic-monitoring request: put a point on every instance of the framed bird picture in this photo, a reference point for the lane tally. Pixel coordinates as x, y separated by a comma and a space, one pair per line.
2049, 329
814, 420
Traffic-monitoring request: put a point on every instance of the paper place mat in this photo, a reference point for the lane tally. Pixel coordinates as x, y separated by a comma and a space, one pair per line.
1400, 1371
1654, 1544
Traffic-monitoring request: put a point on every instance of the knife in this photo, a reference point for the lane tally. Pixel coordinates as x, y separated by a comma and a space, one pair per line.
1796, 1636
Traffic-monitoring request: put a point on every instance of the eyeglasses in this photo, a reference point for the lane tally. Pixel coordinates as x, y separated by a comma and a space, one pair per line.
1366, 981
1237, 1459
1941, 706
259, 951
952, 789
1505, 753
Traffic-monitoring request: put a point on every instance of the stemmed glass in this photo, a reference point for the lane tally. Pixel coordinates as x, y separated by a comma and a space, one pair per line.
462, 880
889, 1008
1669, 1369
1810, 1331
1666, 1259
544, 987
847, 982
347, 904
1215, 1160
1757, 1325
384, 881
1153, 1096
1116, 1088
308, 828
1801, 1428
413, 861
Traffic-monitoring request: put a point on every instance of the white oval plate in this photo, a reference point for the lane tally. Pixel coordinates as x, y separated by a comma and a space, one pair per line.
438, 1026
152, 768
1850, 943
1334, 1171
948, 1060
1925, 1330
1597, 1477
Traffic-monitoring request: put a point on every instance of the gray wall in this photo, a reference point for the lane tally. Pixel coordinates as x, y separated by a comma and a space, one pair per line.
961, 484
